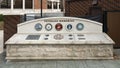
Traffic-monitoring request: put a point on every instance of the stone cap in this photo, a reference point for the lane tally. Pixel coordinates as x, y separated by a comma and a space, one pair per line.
88, 38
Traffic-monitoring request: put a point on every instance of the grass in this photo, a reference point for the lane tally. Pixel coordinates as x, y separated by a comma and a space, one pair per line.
1, 17
1, 25
1, 22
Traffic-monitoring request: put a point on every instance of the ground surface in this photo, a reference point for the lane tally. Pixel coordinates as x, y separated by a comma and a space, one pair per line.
1, 41
59, 63
64, 64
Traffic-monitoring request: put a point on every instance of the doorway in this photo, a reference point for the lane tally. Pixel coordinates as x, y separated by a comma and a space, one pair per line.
113, 26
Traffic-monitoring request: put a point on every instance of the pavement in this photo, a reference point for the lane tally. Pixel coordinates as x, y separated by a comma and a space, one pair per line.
115, 63
63, 64
1, 41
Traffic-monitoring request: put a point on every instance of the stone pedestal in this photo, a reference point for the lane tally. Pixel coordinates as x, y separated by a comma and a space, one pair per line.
92, 51
84, 40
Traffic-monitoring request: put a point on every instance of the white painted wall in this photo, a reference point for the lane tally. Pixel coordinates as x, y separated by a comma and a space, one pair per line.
55, 0
26, 11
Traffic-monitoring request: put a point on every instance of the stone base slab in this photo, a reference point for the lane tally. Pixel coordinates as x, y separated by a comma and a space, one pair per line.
59, 52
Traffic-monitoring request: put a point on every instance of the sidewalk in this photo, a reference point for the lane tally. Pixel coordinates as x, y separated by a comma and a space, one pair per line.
1, 41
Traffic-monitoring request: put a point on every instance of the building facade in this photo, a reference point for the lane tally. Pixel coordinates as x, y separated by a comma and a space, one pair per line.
20, 7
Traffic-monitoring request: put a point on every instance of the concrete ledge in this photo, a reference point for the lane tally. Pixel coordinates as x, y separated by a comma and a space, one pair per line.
55, 58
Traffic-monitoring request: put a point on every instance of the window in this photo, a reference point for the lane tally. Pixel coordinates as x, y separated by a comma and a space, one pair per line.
49, 5
18, 4
28, 4
5, 3
55, 5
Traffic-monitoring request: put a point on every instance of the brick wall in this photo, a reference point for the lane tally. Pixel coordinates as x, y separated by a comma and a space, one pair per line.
81, 7
37, 4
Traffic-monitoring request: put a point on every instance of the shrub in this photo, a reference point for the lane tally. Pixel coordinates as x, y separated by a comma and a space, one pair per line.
1, 17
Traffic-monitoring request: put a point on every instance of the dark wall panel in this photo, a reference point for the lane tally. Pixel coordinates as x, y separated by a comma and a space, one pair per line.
81, 7
113, 25
10, 25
